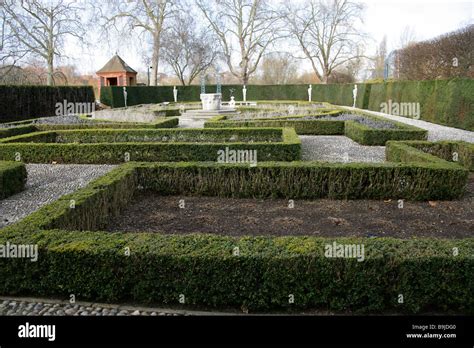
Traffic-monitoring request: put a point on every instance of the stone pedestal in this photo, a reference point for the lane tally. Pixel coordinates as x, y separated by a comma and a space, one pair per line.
211, 101
211, 106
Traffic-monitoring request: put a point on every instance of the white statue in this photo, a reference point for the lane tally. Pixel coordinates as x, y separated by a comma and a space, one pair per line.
232, 102
125, 95
244, 93
354, 95
310, 89
175, 94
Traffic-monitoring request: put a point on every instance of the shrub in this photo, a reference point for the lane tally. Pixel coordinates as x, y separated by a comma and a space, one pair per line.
12, 178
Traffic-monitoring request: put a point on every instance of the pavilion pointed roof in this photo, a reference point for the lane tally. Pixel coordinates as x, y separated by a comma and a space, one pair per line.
116, 64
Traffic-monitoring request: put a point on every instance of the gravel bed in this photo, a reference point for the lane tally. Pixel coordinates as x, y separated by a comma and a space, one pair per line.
68, 119
28, 308
280, 111
339, 149
436, 132
45, 184
352, 117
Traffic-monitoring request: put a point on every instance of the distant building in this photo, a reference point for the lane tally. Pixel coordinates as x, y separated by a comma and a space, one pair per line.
116, 73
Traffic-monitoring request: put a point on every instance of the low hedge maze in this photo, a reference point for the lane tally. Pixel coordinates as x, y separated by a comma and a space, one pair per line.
361, 133
118, 146
25, 128
76, 256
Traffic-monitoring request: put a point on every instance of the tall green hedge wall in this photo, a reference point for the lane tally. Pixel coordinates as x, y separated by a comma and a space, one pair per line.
446, 102
26, 102
335, 94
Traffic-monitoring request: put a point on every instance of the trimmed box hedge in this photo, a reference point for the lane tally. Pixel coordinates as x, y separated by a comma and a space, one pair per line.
75, 257
360, 133
372, 136
112, 145
10, 132
171, 122
12, 178
437, 179
452, 151
303, 127
31, 128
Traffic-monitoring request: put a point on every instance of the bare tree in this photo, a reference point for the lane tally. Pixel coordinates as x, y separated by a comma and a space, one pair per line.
447, 56
145, 16
40, 27
326, 31
379, 60
10, 53
278, 69
407, 37
188, 50
249, 25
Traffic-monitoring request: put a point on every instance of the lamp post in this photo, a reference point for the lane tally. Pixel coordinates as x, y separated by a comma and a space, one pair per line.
149, 67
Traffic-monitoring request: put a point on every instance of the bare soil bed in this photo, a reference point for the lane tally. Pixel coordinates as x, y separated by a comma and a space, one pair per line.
322, 217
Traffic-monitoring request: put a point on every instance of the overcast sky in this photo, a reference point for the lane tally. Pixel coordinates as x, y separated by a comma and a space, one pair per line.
427, 19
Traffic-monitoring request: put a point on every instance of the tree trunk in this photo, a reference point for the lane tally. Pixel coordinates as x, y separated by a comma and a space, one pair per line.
50, 80
245, 77
325, 75
50, 45
155, 60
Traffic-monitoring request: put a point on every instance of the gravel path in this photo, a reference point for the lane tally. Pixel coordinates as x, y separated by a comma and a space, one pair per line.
40, 307
339, 149
67, 119
46, 183
435, 132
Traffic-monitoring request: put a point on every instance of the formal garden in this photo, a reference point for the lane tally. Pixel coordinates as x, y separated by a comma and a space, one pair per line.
275, 204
